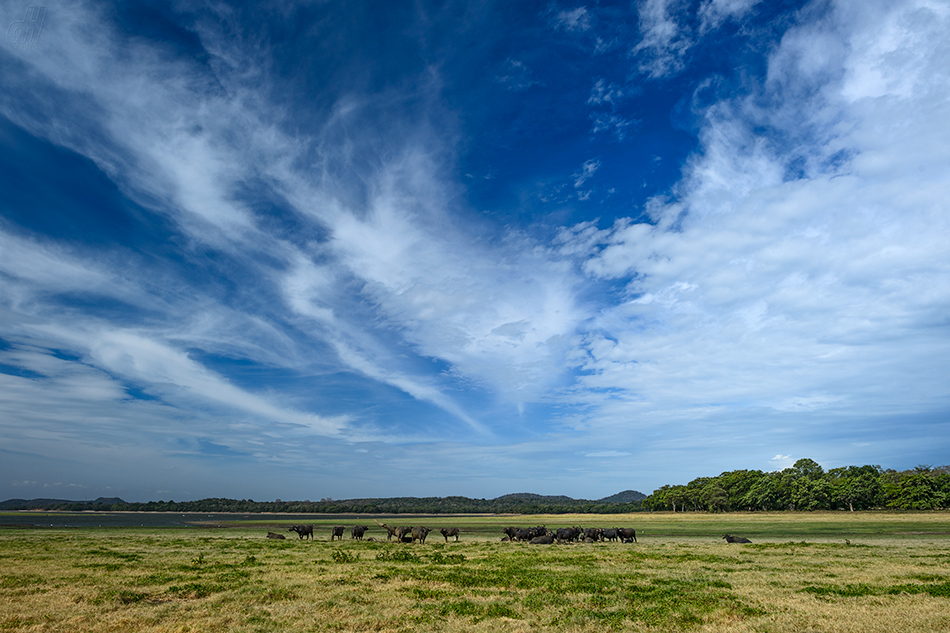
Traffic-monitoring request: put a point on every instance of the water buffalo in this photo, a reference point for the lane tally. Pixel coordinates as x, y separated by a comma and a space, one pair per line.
357, 532
303, 531
567, 534
447, 532
610, 534
627, 535
735, 539
337, 531
402, 532
276, 536
594, 534
524, 534
420, 533
545, 539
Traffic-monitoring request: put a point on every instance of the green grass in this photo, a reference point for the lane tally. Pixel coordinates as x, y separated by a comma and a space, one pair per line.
802, 572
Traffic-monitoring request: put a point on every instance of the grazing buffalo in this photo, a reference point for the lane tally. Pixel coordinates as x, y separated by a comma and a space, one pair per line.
545, 539
358, 531
420, 533
276, 536
303, 531
337, 531
447, 532
402, 532
627, 535
735, 539
610, 534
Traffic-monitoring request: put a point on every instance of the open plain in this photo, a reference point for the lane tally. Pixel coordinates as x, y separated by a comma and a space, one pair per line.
829, 572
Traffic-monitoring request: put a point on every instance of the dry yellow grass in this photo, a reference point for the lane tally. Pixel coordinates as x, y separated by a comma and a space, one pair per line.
892, 574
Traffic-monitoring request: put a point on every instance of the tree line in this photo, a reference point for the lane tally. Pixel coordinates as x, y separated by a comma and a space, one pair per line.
807, 486
509, 504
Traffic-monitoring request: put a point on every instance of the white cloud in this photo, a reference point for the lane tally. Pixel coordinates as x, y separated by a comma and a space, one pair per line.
713, 13
614, 124
666, 34
757, 289
574, 20
664, 41
586, 172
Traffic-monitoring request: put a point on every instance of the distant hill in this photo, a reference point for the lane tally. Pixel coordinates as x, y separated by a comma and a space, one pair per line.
532, 497
40, 504
627, 496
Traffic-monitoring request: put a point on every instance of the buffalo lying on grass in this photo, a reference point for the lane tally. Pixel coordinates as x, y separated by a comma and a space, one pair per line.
303, 531
546, 539
735, 539
276, 536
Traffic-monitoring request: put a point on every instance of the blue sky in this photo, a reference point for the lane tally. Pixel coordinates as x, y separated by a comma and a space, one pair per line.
308, 250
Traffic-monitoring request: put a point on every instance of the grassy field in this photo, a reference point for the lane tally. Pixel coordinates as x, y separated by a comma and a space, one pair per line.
861, 572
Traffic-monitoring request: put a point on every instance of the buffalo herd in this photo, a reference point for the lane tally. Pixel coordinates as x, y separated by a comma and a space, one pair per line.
539, 535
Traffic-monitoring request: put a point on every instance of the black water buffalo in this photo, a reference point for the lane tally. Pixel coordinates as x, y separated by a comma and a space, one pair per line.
567, 534
735, 539
545, 539
610, 534
303, 531
524, 534
402, 532
357, 532
276, 536
419, 533
337, 531
594, 534
627, 535
447, 532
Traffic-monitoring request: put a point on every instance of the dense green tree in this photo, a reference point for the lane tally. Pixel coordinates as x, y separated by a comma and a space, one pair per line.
714, 497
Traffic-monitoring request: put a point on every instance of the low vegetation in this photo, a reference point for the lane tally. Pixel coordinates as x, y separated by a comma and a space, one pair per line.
802, 572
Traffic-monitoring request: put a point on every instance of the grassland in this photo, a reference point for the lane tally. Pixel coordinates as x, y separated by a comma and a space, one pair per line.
861, 572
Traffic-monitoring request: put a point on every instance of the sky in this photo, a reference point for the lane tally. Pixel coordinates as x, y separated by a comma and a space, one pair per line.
360, 249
